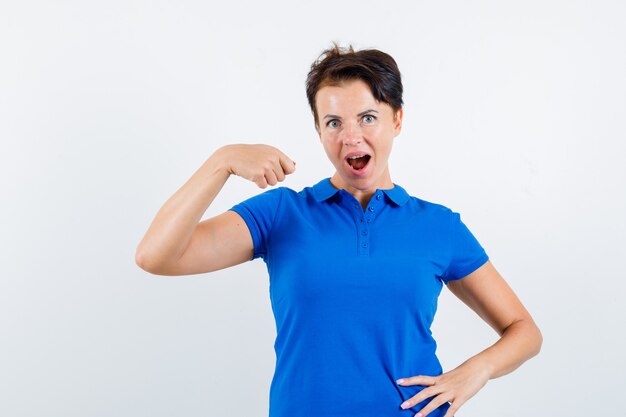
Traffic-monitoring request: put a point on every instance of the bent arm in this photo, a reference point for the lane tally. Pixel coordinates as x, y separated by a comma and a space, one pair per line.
175, 244
488, 294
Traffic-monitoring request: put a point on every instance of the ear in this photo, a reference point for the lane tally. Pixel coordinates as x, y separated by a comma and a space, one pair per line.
397, 121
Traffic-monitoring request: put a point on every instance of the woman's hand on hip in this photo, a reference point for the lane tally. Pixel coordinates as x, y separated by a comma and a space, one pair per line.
456, 386
259, 163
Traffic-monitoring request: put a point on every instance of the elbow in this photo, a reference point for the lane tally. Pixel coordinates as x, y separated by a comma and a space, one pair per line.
538, 342
141, 260
155, 265
535, 338
528, 332
146, 262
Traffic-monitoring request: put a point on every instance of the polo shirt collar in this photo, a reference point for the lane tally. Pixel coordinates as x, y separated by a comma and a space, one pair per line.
397, 194
324, 190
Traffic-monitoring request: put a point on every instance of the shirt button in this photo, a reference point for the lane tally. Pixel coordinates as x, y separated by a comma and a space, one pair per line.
371, 209
364, 245
369, 220
364, 232
378, 197
362, 220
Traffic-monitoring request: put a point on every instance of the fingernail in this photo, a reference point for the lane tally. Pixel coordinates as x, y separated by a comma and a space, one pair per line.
418, 415
404, 405
400, 381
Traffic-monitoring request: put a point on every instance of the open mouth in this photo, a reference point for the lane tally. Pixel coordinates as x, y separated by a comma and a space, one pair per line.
358, 162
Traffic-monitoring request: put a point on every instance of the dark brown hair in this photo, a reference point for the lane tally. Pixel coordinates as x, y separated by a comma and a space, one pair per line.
376, 68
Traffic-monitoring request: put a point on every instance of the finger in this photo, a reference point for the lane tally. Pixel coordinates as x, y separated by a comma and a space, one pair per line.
260, 181
434, 404
452, 410
270, 176
288, 165
278, 171
417, 380
420, 396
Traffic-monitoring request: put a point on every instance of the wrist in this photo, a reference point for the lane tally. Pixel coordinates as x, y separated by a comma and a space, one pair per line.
219, 160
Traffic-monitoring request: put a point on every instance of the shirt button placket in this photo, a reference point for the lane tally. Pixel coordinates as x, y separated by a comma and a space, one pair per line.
363, 235
364, 249
364, 241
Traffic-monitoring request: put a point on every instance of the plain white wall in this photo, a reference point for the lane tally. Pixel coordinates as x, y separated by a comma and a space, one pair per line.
515, 117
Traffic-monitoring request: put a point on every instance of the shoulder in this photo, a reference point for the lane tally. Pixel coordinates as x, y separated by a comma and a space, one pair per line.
429, 207
287, 193
278, 198
291, 195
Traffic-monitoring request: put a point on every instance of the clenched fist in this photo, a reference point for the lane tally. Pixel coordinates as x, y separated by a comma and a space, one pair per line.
259, 163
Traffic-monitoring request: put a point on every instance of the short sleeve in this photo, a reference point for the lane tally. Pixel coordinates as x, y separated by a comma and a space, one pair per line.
466, 253
259, 212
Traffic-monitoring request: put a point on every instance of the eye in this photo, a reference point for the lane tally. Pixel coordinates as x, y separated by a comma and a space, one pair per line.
333, 123
368, 118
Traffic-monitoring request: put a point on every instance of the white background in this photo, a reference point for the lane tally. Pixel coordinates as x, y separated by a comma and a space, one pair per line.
514, 116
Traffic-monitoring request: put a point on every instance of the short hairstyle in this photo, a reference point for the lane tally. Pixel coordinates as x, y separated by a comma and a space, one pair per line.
376, 68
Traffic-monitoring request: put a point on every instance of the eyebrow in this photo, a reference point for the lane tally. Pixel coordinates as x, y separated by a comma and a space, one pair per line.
360, 114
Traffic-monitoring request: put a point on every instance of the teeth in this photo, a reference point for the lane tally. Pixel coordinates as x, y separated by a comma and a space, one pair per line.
355, 157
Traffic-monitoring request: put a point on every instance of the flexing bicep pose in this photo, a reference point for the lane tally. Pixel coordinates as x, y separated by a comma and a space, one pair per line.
176, 244
356, 263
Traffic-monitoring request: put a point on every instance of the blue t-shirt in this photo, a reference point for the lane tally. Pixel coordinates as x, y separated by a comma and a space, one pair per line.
354, 293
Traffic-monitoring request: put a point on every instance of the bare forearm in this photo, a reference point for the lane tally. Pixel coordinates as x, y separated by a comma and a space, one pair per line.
172, 228
519, 342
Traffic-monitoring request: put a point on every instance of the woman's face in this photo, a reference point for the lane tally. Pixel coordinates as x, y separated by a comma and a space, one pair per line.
351, 123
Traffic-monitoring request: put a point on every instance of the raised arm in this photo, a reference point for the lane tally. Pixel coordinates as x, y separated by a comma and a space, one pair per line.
177, 243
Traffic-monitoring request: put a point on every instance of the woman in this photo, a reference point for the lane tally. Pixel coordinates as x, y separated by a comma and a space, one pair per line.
356, 264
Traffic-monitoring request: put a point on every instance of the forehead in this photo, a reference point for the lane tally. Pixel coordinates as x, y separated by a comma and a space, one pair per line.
347, 94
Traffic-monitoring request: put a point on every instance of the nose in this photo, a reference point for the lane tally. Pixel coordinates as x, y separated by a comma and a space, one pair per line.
351, 134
